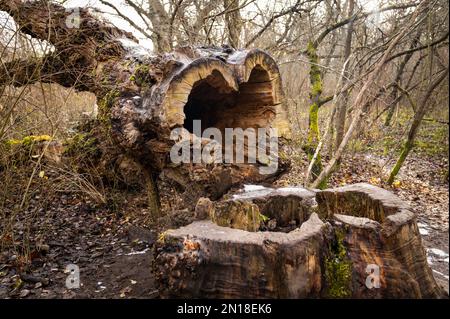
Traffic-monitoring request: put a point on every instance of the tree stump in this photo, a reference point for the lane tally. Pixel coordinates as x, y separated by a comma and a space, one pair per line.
357, 241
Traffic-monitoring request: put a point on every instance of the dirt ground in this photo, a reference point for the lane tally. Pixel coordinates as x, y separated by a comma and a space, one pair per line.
113, 249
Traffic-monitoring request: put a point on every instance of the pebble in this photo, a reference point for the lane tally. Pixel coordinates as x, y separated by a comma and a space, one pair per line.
43, 248
24, 293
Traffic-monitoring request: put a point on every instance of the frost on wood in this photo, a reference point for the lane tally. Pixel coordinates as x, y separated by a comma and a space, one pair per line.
337, 234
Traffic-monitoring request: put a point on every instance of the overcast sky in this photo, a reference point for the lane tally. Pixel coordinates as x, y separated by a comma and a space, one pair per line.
369, 5
247, 12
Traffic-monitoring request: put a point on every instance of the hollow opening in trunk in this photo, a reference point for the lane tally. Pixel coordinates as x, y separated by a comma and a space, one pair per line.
285, 213
356, 203
208, 101
216, 104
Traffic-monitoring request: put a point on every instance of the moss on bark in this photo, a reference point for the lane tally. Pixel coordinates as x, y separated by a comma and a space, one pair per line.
315, 79
338, 269
405, 151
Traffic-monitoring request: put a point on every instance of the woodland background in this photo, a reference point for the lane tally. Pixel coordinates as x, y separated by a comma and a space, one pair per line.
366, 90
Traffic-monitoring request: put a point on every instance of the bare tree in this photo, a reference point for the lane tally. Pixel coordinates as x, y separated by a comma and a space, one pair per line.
421, 110
341, 106
233, 22
360, 103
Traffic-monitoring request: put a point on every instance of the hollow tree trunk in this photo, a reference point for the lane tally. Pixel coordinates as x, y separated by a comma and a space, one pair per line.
142, 97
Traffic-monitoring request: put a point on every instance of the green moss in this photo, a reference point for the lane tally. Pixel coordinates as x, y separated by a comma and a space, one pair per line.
338, 269
104, 107
239, 215
310, 48
142, 76
316, 82
315, 79
263, 218
313, 142
313, 133
406, 149
81, 144
317, 88
315, 76
29, 140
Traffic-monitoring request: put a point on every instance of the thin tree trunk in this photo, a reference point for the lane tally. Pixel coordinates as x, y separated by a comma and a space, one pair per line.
315, 79
418, 117
161, 26
359, 101
341, 107
401, 68
233, 22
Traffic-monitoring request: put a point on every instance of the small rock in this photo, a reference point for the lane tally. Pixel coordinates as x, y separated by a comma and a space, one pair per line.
272, 224
44, 248
153, 294
124, 291
24, 293
45, 292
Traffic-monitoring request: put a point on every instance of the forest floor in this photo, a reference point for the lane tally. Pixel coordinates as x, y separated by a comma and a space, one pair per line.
113, 246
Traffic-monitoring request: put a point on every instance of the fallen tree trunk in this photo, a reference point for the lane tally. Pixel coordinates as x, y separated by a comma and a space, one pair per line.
142, 97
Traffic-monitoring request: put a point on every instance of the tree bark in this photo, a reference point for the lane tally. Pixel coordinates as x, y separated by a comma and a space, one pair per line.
313, 139
233, 22
161, 25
